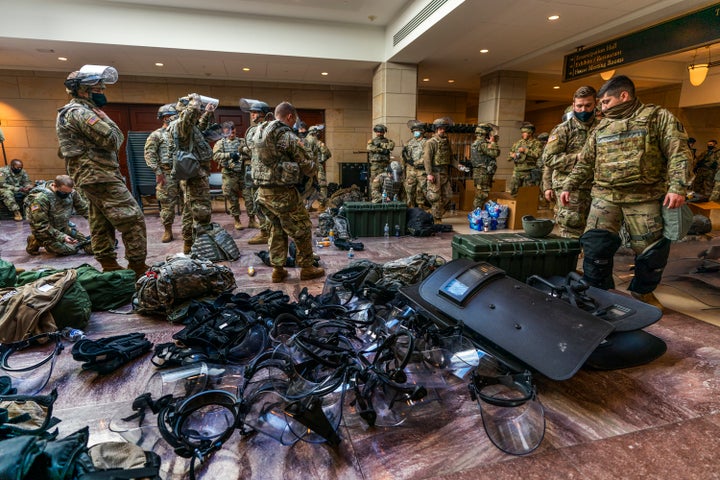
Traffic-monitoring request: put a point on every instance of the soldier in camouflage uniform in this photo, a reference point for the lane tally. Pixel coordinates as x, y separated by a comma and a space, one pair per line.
483, 156
438, 159
388, 186
639, 161
559, 157
321, 154
526, 154
89, 142
715, 195
258, 112
415, 176
14, 185
705, 169
226, 153
279, 160
180, 134
167, 190
48, 210
379, 149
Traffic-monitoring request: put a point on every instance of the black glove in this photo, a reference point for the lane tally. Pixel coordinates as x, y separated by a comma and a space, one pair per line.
235, 156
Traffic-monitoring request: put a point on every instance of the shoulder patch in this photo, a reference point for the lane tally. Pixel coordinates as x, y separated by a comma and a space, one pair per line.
34, 207
93, 120
552, 138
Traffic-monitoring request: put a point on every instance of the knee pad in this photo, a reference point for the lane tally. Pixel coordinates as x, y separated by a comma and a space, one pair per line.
649, 266
599, 247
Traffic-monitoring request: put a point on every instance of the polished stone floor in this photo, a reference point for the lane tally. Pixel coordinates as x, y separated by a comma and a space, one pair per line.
656, 421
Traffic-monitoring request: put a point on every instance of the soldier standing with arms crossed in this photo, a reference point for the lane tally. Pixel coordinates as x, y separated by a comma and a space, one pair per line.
525, 153
379, 149
89, 143
158, 159
415, 177
639, 159
559, 157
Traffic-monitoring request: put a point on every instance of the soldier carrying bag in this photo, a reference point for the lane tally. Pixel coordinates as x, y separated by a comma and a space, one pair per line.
185, 164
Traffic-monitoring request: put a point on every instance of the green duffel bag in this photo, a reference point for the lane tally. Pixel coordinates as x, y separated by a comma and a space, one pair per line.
8, 274
107, 290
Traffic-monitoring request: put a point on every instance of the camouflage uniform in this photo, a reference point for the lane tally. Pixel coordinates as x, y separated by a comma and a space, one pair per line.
320, 154
264, 224
233, 172
704, 171
379, 149
278, 162
483, 156
10, 186
415, 176
160, 162
197, 211
525, 163
437, 159
49, 217
89, 146
248, 190
715, 195
636, 154
559, 157
349, 194
384, 183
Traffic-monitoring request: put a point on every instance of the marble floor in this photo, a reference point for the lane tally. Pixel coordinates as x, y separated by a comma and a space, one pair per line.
656, 421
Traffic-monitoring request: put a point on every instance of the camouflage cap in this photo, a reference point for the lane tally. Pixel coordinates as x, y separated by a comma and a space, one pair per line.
380, 128
167, 110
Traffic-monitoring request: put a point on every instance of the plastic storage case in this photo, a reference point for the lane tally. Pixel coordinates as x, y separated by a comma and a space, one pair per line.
518, 254
366, 219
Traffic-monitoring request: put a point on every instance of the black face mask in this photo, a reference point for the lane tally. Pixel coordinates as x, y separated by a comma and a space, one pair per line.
16, 170
99, 99
710, 148
62, 194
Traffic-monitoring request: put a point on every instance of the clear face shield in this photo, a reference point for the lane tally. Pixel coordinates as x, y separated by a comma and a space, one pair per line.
92, 74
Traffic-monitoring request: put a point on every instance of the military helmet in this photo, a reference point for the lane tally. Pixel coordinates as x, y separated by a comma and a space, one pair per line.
443, 122
90, 75
260, 107
416, 125
228, 124
527, 127
543, 137
380, 128
537, 227
315, 129
166, 110
483, 128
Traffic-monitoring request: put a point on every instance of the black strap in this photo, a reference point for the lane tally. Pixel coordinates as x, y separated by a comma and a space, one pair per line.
107, 354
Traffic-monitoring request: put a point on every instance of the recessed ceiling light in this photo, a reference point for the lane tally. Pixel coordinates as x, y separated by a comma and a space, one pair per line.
159, 64
246, 69
556, 87
62, 59
552, 18
426, 79
451, 81
484, 50
324, 74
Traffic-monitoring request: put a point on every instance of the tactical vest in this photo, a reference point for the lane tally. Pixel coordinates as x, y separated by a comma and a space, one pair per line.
163, 151
390, 187
25, 311
478, 158
626, 151
412, 153
443, 153
72, 142
230, 146
270, 166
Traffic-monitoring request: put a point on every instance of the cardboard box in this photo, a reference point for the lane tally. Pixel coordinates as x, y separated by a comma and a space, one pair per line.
467, 193
524, 203
710, 210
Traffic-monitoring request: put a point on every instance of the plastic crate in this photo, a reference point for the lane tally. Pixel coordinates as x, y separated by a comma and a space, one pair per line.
518, 254
366, 219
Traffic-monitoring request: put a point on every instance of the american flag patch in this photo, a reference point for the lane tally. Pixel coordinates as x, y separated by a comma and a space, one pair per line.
93, 120
34, 207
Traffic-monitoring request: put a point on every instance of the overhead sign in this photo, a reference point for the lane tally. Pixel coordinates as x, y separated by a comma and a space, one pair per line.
692, 30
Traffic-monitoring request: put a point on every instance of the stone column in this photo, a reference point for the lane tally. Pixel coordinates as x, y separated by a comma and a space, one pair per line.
394, 100
502, 102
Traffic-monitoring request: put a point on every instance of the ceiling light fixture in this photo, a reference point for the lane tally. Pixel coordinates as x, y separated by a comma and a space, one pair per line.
426, 79
324, 74
451, 81
484, 50
698, 71
246, 69
552, 18
159, 64
607, 74
62, 59
556, 87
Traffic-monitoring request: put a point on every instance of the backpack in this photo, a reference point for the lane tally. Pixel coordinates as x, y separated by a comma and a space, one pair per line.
215, 245
178, 279
419, 222
25, 311
185, 164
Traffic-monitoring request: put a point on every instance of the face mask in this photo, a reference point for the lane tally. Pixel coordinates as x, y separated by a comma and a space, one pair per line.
417, 134
710, 147
62, 194
99, 99
584, 116
302, 134
16, 170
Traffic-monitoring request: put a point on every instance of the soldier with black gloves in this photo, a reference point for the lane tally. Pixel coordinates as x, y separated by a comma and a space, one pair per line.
379, 149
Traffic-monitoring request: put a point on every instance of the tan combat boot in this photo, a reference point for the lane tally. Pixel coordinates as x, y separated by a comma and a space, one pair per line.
238, 225
260, 239
109, 264
187, 246
140, 268
168, 235
253, 223
33, 246
17, 216
308, 273
279, 274
648, 298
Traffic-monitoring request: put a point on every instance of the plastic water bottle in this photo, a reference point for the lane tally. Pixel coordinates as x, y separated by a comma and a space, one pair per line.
397, 231
351, 253
73, 334
386, 231
395, 198
384, 196
331, 235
